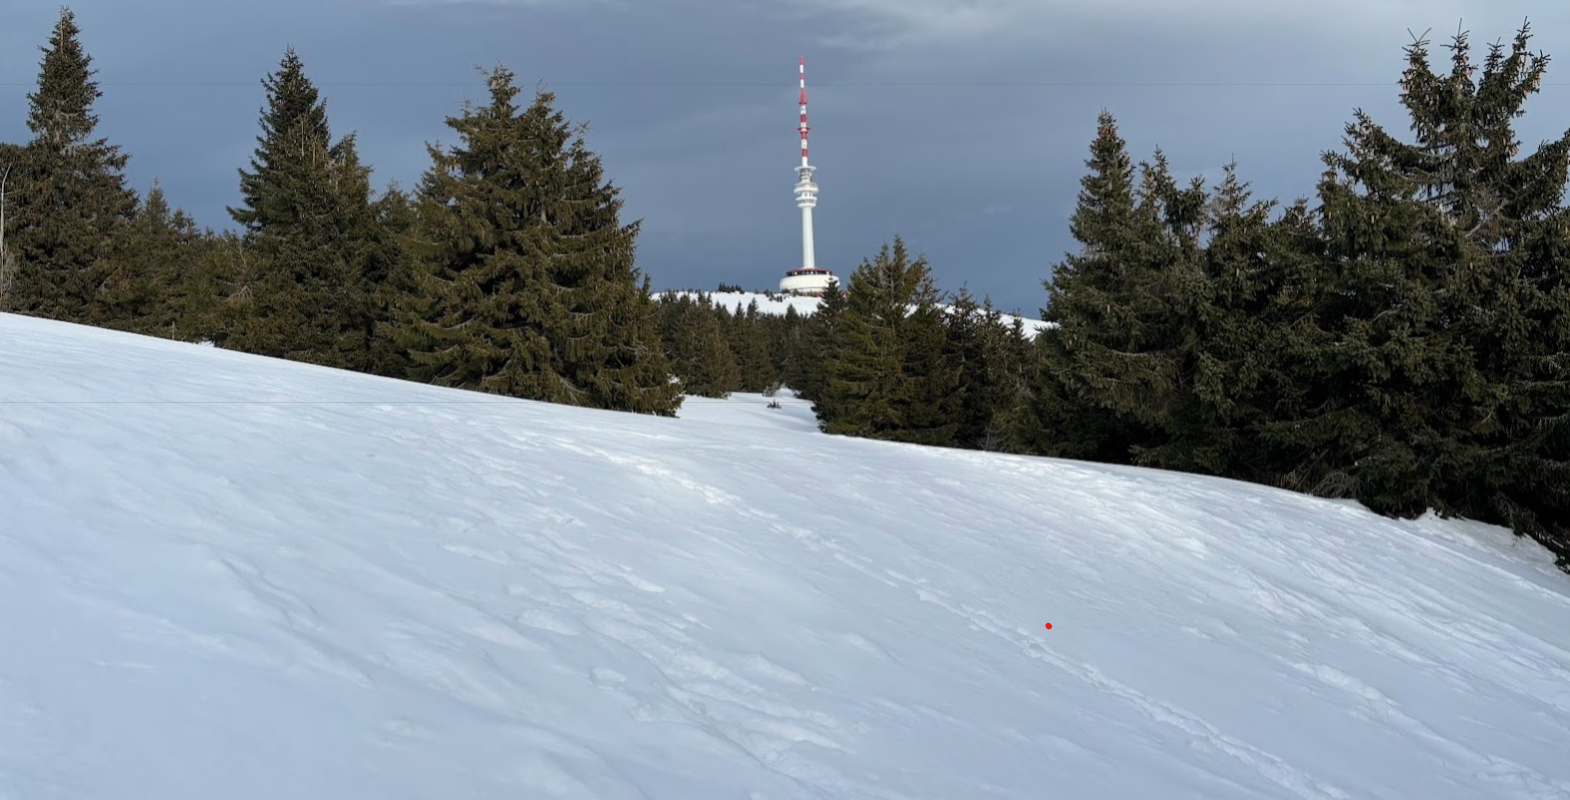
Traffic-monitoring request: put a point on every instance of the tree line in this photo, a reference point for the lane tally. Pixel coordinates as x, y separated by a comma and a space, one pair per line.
1404, 340
507, 269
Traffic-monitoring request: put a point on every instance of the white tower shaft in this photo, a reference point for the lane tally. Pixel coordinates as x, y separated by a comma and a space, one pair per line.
807, 261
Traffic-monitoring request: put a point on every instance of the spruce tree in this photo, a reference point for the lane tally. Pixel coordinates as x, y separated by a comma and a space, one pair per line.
67, 194
744, 331
1454, 322
1081, 291
295, 137
1247, 327
967, 346
1511, 452
696, 345
229, 271
528, 285
997, 390
701, 355
148, 282
388, 275
1385, 372
1008, 355
1111, 381
673, 316
320, 255
888, 374
782, 332
808, 369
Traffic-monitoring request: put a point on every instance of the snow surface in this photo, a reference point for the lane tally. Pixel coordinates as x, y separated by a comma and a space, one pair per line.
778, 303
775, 304
228, 576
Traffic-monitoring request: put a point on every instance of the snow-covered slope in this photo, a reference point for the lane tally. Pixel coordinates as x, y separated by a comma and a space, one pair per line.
778, 303
225, 576
767, 303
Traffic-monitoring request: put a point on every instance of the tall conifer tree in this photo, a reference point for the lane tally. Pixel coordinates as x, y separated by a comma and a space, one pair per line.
389, 276
1254, 329
1078, 408
529, 286
750, 347
68, 195
807, 367
889, 377
294, 138
990, 357
148, 282
1008, 357
966, 344
319, 254
1456, 315
697, 347
783, 331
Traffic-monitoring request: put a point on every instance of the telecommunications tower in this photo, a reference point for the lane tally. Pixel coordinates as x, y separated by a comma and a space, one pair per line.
808, 279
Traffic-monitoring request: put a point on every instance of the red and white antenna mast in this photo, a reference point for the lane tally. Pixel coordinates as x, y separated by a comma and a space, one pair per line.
802, 68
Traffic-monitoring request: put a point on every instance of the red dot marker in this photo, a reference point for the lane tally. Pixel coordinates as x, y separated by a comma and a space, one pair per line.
1049, 626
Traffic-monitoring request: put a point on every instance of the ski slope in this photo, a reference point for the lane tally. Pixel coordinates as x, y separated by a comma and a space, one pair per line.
223, 576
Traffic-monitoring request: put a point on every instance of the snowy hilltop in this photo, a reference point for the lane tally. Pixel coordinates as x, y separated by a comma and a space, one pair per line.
779, 303
230, 576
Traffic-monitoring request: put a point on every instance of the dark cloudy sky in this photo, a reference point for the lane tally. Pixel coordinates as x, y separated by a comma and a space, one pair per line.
960, 124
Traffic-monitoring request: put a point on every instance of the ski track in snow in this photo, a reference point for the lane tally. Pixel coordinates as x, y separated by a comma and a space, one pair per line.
231, 576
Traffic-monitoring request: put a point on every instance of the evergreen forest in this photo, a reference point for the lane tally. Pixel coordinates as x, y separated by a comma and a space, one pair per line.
1399, 335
